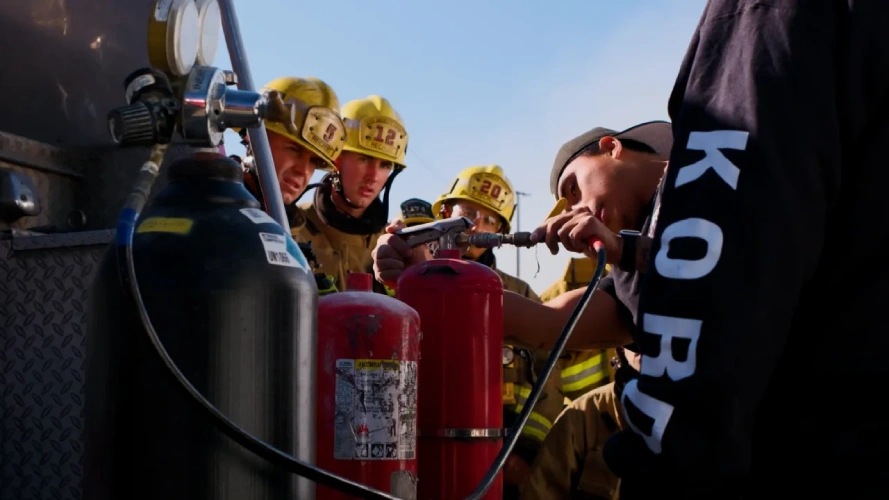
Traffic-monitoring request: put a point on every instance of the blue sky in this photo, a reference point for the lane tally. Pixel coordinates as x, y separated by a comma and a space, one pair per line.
481, 82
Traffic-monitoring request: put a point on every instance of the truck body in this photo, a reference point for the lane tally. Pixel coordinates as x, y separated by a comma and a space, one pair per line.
65, 63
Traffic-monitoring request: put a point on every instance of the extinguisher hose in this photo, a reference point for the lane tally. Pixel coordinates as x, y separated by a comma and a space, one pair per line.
124, 246
515, 431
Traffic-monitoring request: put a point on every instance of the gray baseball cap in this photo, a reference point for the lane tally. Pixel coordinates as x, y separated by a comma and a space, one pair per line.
658, 135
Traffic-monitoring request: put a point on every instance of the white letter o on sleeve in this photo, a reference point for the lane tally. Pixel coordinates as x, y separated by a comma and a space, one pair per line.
689, 269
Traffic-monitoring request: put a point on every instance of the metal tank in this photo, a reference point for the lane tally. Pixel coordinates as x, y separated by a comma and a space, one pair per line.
231, 300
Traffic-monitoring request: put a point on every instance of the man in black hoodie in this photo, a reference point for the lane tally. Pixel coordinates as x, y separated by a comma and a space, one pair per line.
764, 263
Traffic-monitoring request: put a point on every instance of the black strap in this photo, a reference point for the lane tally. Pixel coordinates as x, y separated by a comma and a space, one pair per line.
628, 253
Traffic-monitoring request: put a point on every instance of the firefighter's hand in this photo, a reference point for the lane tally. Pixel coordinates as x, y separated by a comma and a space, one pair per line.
573, 230
392, 255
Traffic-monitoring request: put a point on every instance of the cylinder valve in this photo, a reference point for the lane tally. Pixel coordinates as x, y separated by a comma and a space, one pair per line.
150, 116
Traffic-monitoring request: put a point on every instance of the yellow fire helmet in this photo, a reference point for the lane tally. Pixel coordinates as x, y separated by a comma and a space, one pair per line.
486, 185
318, 126
374, 128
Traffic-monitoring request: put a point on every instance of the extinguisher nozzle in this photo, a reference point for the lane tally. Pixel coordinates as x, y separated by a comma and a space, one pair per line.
495, 240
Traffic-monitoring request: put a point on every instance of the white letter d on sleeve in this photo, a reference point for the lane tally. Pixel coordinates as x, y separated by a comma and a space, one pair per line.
656, 409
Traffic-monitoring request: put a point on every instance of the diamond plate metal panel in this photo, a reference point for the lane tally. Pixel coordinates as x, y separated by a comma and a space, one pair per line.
43, 293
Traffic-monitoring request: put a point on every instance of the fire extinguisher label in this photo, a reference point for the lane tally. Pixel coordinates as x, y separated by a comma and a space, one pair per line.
376, 409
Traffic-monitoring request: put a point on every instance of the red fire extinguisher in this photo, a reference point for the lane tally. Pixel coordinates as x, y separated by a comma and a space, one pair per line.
461, 415
368, 349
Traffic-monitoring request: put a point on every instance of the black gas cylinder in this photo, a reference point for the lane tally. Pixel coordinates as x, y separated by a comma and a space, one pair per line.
234, 302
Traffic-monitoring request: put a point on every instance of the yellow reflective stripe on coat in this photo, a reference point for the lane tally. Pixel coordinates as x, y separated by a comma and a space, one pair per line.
326, 284
584, 375
537, 426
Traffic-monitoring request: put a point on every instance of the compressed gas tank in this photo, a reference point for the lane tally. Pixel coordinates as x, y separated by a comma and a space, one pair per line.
232, 300
368, 349
460, 423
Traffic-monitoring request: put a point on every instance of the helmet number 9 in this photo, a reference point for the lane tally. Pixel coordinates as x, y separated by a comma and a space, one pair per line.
329, 133
390, 136
490, 189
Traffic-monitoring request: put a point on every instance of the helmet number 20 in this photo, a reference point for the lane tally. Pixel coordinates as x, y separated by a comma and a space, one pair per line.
490, 189
390, 136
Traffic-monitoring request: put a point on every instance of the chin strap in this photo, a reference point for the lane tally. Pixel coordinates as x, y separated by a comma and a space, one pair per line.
337, 184
306, 190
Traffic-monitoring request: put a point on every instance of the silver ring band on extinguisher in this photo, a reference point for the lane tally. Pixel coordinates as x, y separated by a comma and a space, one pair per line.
467, 433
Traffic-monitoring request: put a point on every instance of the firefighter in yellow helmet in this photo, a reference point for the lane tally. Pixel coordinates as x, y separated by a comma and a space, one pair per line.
346, 215
485, 196
314, 141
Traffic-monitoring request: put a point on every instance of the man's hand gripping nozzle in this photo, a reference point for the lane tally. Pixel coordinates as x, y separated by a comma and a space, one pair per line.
451, 233
447, 233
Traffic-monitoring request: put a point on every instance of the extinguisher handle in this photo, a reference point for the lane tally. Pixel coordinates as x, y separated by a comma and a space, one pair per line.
595, 243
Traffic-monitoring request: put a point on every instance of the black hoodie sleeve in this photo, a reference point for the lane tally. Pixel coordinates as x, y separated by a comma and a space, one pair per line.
753, 172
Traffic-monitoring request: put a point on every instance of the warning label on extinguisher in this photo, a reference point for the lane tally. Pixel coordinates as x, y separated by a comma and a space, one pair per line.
376, 410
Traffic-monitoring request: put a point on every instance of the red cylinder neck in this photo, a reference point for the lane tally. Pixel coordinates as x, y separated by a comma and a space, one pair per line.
359, 282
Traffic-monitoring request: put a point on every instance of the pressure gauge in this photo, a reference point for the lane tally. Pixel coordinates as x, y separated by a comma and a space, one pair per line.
210, 28
174, 35
508, 355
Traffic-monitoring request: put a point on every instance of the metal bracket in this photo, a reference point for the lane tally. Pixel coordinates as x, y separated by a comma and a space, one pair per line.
468, 433
28, 240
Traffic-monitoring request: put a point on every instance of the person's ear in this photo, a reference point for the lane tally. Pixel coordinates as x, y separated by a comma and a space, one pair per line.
610, 145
